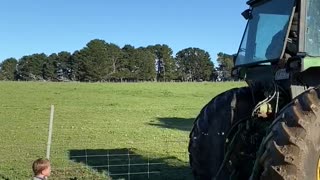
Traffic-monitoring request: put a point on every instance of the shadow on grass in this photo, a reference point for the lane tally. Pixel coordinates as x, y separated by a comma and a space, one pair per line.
127, 164
4, 177
182, 124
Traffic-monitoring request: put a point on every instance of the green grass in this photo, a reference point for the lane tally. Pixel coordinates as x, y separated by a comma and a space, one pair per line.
150, 121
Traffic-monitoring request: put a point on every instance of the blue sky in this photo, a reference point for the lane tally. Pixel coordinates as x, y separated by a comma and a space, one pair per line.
35, 26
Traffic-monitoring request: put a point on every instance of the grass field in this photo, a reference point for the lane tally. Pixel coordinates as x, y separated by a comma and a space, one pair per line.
101, 128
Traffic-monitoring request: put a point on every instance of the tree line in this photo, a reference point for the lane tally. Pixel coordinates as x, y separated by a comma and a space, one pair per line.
100, 61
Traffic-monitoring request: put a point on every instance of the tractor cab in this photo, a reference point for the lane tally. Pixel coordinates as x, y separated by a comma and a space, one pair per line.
280, 34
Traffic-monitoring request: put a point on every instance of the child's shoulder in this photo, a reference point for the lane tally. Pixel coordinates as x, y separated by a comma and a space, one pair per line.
37, 178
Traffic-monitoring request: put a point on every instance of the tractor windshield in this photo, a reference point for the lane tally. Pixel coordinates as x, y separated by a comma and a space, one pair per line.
265, 33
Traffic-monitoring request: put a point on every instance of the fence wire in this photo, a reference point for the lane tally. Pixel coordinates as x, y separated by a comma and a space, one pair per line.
156, 157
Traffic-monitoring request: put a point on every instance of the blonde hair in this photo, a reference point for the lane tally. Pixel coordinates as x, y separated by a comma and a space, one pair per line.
39, 165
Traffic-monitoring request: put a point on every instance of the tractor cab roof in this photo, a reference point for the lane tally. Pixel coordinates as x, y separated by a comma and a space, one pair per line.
253, 2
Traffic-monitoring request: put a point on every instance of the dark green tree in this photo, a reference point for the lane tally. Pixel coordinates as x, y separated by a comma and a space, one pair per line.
97, 61
226, 64
115, 57
58, 67
31, 67
194, 64
7, 69
144, 64
49, 69
165, 64
127, 63
78, 69
137, 64
64, 66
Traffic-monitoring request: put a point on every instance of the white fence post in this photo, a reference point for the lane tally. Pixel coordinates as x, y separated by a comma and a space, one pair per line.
50, 132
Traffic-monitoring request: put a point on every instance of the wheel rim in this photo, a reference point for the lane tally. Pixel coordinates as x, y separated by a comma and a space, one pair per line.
318, 169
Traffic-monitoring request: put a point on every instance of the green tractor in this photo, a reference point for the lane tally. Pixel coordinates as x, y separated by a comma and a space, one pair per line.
270, 129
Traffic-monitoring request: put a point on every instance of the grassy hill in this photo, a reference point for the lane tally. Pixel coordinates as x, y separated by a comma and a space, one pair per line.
101, 129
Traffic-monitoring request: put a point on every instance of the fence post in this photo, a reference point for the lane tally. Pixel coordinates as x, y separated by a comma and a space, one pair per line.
50, 132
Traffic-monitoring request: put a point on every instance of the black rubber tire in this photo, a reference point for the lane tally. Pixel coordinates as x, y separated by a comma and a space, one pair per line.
207, 138
293, 149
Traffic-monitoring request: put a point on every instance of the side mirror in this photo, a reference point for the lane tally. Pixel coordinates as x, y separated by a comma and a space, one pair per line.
247, 14
235, 72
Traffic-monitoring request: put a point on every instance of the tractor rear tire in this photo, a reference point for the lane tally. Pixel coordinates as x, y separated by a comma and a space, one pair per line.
208, 135
293, 149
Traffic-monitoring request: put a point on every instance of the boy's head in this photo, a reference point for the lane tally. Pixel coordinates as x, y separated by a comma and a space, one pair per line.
41, 167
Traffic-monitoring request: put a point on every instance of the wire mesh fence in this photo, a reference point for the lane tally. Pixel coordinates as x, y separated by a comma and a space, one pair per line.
82, 157
123, 163
70, 162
